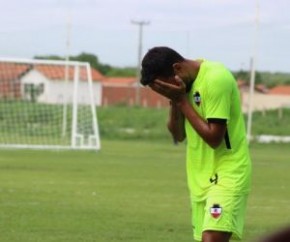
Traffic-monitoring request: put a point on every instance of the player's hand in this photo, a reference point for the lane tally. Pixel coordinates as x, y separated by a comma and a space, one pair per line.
174, 92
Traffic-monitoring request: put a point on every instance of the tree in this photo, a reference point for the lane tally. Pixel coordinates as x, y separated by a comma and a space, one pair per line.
105, 69
242, 75
245, 76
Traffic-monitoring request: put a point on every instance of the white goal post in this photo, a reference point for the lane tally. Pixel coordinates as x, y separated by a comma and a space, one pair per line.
48, 104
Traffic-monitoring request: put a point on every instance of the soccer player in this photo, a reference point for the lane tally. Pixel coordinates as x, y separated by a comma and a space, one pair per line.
206, 110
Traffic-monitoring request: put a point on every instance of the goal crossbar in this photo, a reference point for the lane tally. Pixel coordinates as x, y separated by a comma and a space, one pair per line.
45, 107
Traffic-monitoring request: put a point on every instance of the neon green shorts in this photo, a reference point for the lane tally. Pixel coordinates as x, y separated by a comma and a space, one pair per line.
219, 213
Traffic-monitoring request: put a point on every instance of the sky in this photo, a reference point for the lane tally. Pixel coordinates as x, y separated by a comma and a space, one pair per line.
220, 30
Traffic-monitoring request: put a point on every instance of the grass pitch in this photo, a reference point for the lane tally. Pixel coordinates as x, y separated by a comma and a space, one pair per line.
129, 191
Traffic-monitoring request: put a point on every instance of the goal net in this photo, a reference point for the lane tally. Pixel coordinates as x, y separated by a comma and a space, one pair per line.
48, 105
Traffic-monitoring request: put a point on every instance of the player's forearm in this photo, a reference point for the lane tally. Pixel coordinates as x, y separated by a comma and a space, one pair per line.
176, 123
202, 127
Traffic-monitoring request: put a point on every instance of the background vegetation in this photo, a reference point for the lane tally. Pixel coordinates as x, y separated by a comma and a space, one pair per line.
36, 122
268, 78
122, 122
105, 69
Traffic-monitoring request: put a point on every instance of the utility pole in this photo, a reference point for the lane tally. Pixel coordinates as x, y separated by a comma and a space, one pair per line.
253, 73
141, 24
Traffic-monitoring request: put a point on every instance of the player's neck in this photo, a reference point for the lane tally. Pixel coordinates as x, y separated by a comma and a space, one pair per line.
194, 68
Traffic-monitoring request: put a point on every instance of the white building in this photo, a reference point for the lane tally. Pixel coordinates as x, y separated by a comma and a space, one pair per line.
47, 83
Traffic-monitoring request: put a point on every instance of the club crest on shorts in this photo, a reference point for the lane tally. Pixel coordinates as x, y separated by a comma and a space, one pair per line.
216, 211
197, 98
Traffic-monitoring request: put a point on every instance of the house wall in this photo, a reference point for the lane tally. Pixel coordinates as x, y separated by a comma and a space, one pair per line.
59, 91
126, 95
261, 102
36, 78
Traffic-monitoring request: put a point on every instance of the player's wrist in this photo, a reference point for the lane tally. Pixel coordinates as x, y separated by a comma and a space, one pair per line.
180, 102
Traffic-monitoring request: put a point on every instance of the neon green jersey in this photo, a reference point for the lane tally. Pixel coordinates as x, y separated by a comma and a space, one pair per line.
226, 169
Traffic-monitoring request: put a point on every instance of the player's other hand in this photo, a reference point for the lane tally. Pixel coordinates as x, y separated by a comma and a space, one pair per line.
174, 88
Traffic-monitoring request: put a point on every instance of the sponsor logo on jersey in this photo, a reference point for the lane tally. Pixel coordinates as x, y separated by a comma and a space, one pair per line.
197, 98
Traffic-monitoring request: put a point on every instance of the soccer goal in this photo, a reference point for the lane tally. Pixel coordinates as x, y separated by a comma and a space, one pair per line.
47, 104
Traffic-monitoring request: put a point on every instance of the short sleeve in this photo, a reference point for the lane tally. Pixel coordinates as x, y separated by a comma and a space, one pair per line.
218, 97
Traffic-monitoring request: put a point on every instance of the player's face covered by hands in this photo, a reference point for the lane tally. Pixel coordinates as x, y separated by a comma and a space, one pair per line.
172, 88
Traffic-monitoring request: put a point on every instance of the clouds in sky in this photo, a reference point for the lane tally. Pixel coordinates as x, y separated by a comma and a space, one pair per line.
219, 30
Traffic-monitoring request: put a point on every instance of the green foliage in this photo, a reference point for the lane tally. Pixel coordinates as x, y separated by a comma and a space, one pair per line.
21, 121
272, 122
269, 79
245, 76
122, 72
28, 119
83, 57
242, 75
105, 69
48, 57
121, 122
274, 79
93, 60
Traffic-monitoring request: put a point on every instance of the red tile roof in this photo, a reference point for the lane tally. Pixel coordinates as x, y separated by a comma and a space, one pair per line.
11, 71
119, 81
54, 72
280, 90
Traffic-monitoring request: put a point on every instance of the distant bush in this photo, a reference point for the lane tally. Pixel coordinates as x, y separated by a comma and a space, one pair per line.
272, 122
121, 122
117, 122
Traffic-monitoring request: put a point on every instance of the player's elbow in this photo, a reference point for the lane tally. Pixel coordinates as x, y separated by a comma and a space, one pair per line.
214, 143
216, 136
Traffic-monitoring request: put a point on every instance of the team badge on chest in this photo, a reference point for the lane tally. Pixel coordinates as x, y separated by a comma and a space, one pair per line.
197, 98
216, 211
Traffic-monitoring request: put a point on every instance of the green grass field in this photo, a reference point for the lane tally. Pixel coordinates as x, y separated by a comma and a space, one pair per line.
130, 191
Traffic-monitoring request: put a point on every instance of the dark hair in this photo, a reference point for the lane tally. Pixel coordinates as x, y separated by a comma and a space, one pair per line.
158, 62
